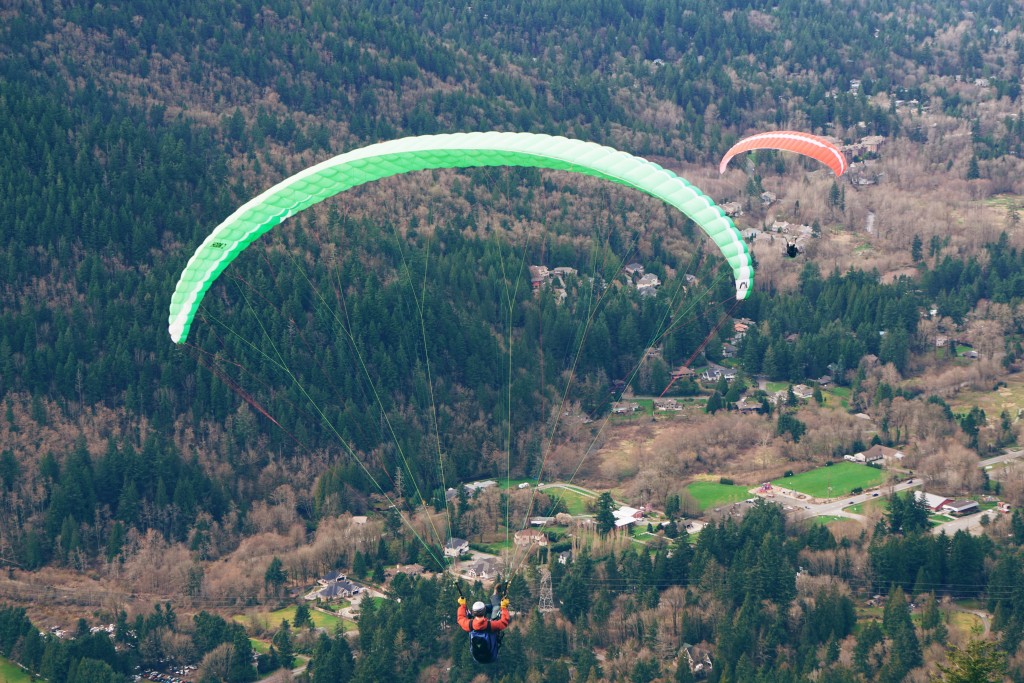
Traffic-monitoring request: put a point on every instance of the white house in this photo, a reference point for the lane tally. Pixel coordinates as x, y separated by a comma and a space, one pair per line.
456, 547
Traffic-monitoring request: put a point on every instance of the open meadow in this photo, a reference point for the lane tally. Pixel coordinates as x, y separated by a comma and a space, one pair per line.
1009, 398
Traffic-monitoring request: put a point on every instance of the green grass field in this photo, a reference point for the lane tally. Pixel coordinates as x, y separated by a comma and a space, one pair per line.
514, 483
575, 501
320, 619
842, 477
709, 494
12, 673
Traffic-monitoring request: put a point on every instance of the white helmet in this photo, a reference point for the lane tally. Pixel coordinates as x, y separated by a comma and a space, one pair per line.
479, 608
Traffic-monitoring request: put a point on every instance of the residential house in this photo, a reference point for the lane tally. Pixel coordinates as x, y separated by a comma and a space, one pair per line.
541, 521
648, 283
768, 198
407, 569
667, 404
486, 568
564, 271
538, 276
803, 391
528, 537
729, 350
456, 547
715, 372
338, 590
875, 454
564, 557
633, 269
959, 508
624, 407
748, 405
331, 577
732, 208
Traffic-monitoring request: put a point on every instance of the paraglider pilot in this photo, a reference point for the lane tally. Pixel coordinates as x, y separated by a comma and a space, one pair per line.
484, 626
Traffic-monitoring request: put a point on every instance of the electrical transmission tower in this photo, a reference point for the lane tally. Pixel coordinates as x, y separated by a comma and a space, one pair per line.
547, 599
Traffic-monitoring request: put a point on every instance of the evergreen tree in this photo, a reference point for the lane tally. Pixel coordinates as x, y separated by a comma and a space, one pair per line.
275, 577
240, 669
917, 249
302, 617
283, 644
973, 171
605, 514
979, 662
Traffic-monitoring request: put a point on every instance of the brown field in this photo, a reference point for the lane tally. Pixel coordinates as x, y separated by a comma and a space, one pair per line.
1009, 398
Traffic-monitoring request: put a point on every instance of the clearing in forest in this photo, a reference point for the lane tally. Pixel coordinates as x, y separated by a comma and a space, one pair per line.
1009, 398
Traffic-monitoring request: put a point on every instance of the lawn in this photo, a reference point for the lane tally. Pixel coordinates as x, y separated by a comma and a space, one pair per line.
966, 623
575, 501
273, 619
840, 395
834, 481
514, 483
12, 673
709, 494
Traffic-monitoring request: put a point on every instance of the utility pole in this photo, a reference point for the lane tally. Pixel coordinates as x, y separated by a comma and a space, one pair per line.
547, 599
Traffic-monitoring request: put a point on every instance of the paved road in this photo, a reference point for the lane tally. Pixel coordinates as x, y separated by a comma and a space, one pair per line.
834, 507
1006, 457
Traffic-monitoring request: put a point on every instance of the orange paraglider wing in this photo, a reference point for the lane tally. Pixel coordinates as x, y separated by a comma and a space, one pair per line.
791, 141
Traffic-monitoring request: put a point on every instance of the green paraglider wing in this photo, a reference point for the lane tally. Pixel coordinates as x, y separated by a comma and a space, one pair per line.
457, 150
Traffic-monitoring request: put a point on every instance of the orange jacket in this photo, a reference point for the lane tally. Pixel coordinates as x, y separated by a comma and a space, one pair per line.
480, 623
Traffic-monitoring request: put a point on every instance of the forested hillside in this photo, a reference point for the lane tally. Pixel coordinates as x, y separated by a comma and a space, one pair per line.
387, 344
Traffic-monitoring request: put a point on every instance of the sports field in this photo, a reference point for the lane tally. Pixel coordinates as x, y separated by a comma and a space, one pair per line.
836, 480
709, 494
